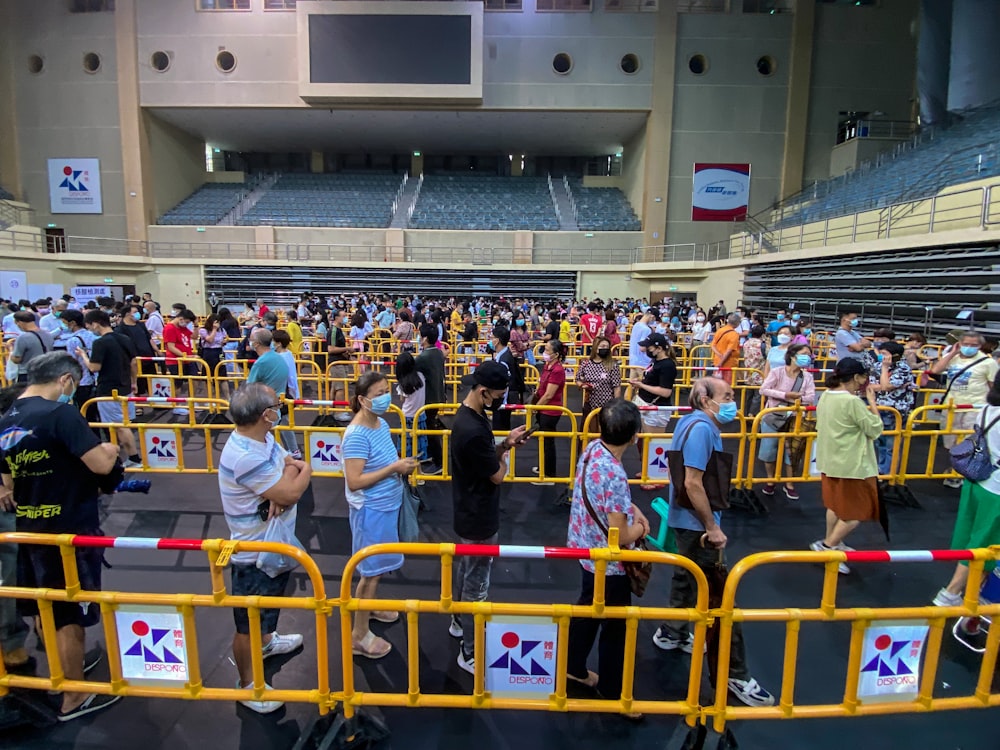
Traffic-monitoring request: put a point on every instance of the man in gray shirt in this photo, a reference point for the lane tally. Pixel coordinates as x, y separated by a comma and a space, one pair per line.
849, 342
31, 343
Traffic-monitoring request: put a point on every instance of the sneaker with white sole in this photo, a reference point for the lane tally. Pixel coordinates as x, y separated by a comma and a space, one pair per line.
95, 702
945, 598
180, 412
954, 483
750, 692
468, 663
455, 628
282, 644
130, 464
668, 643
433, 470
820, 546
261, 707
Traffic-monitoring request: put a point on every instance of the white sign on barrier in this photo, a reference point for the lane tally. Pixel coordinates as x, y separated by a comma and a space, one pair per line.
324, 452
890, 660
161, 449
521, 656
152, 644
161, 387
657, 467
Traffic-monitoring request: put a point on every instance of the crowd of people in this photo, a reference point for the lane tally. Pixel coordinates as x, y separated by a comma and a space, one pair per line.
54, 466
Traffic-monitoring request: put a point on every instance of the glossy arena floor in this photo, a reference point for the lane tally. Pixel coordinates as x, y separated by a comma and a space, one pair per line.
188, 506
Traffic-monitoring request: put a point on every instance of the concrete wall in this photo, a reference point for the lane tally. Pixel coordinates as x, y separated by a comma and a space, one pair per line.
66, 112
607, 284
178, 162
633, 177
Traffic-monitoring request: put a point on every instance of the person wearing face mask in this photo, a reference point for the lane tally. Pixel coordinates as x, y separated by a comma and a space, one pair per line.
373, 474
500, 346
50, 323
787, 385
53, 468
520, 345
698, 434
638, 359
79, 337
141, 340
479, 465
258, 481
656, 387
776, 354
599, 377
803, 332
726, 348
550, 392
845, 454
701, 331
895, 387
850, 343
775, 325
271, 369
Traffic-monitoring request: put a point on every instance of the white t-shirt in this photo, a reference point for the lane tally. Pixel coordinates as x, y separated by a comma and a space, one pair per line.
992, 484
415, 400
247, 469
972, 385
293, 377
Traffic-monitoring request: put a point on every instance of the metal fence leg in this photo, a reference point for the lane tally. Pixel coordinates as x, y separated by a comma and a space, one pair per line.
334, 732
701, 737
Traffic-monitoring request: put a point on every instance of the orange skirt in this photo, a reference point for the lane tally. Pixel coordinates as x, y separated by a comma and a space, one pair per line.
851, 499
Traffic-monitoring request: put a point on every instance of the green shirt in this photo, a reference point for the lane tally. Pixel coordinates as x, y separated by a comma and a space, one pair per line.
270, 370
845, 430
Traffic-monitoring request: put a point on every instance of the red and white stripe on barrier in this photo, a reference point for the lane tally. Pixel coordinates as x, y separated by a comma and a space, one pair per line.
136, 542
651, 407
521, 551
372, 362
910, 555
314, 402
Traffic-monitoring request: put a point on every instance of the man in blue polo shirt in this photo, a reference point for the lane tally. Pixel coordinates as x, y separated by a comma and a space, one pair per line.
697, 435
849, 342
270, 369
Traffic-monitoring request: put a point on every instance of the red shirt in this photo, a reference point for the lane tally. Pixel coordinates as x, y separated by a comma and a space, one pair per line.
590, 324
263, 309
179, 337
552, 374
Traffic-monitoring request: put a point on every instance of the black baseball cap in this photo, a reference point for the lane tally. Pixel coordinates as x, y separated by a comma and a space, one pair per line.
655, 339
490, 374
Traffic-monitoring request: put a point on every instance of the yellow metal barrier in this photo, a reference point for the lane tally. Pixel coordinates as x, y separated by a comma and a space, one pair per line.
556, 616
184, 606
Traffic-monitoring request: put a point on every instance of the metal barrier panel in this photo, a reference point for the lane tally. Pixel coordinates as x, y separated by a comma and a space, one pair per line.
134, 652
322, 443
165, 378
951, 422
549, 622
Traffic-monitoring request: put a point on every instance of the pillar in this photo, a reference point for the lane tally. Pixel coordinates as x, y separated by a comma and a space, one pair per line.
797, 109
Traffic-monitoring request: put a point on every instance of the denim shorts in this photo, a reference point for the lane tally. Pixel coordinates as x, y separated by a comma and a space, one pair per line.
40, 566
249, 580
370, 527
111, 411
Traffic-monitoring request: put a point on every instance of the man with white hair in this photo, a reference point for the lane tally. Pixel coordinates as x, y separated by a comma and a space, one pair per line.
51, 323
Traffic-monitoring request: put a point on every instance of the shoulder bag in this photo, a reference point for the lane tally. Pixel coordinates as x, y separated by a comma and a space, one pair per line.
638, 572
408, 525
782, 421
971, 458
716, 479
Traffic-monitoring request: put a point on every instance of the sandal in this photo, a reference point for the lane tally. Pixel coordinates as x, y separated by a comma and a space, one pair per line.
371, 646
590, 681
387, 617
650, 487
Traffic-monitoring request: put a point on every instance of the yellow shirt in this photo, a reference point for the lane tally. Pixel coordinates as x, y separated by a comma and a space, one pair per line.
295, 334
456, 319
564, 332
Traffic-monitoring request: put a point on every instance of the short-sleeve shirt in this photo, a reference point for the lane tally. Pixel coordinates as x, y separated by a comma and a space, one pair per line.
31, 344
114, 353
608, 492
179, 337
728, 340
843, 339
661, 373
41, 444
603, 381
972, 385
270, 370
698, 436
376, 448
637, 356
292, 384
590, 324
475, 498
247, 469
552, 329
902, 396
553, 375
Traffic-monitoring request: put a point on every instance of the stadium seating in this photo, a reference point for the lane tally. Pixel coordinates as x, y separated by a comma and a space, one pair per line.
480, 202
209, 204
966, 151
602, 209
326, 200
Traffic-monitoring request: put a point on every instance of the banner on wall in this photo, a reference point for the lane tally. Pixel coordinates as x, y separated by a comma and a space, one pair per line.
721, 192
75, 186
14, 285
85, 294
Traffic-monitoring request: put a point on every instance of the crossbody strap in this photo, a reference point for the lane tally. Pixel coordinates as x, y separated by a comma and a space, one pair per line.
985, 431
951, 380
41, 341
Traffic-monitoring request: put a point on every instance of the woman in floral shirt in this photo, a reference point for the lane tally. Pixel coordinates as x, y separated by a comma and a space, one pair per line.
602, 482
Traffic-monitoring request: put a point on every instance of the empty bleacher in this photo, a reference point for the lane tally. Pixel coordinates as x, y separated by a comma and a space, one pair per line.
481, 202
602, 209
326, 200
965, 151
209, 204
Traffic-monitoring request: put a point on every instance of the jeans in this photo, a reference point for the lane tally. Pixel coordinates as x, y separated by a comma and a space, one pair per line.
13, 630
471, 583
549, 423
883, 451
421, 439
684, 594
611, 647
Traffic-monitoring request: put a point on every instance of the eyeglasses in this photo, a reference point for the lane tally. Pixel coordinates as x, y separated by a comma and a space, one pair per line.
273, 406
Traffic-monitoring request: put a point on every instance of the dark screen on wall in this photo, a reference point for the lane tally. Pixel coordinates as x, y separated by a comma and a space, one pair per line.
390, 49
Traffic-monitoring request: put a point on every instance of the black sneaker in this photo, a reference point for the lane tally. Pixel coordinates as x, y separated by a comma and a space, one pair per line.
433, 470
95, 702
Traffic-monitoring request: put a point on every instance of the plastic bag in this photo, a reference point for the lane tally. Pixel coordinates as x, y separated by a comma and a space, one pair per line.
280, 529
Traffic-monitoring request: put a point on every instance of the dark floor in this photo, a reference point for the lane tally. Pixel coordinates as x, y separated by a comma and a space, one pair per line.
188, 506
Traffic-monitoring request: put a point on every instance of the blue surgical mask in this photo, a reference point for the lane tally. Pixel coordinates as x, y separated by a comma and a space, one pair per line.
272, 346
67, 398
796, 317
727, 411
63, 326
807, 331
783, 338
380, 404
855, 323
137, 316
520, 322
270, 328
969, 351
803, 360
781, 316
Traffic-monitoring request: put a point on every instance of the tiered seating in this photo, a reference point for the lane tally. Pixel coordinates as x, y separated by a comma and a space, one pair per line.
964, 152
603, 209
480, 202
326, 200
209, 204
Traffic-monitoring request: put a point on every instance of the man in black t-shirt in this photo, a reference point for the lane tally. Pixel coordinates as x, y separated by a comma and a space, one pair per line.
431, 364
52, 465
478, 466
341, 370
552, 327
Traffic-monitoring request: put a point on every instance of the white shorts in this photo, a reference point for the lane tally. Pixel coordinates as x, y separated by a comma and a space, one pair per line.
111, 411
652, 418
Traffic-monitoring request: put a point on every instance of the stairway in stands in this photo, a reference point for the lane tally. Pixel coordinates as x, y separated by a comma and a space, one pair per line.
243, 207
563, 202
406, 202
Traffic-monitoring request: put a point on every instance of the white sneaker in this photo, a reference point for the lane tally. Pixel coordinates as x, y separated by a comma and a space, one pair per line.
455, 628
542, 484
468, 664
261, 707
750, 692
820, 546
954, 483
945, 598
181, 412
666, 642
130, 464
282, 644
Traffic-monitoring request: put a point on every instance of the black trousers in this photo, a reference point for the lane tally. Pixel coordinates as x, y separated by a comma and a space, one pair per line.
434, 451
549, 423
611, 646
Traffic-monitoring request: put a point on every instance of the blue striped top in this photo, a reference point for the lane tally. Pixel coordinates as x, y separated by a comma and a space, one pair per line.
375, 446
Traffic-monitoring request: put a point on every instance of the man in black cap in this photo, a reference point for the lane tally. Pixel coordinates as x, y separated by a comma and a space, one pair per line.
478, 466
